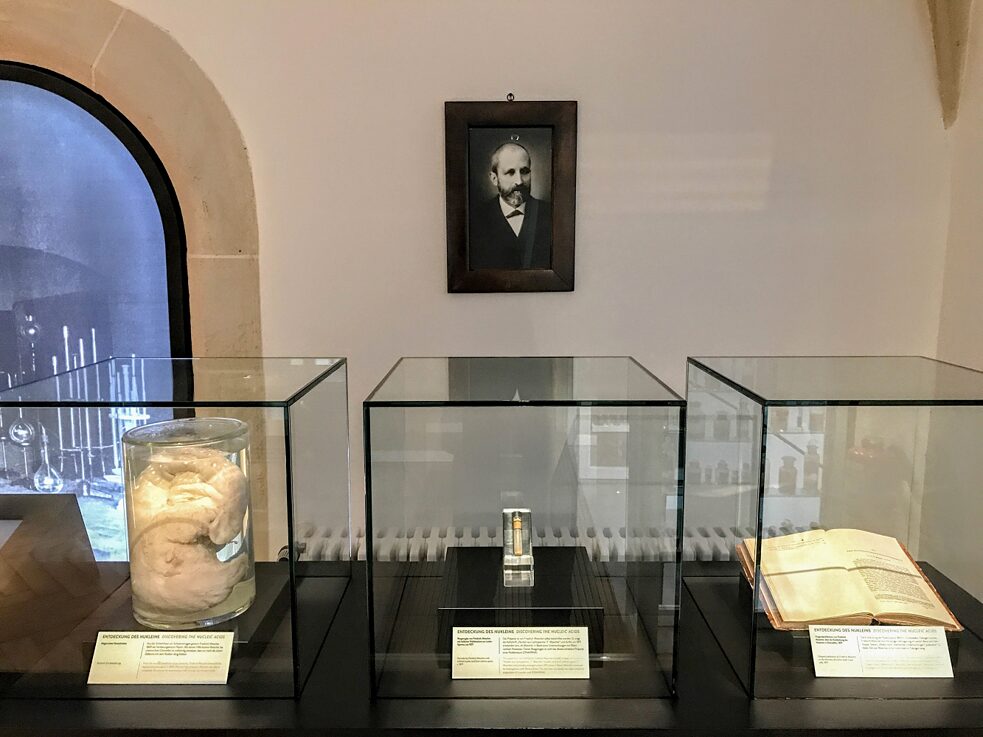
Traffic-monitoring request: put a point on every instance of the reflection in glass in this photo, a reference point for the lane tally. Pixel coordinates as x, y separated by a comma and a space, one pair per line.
82, 277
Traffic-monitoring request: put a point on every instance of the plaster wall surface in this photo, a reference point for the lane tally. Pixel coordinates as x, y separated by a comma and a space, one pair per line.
754, 177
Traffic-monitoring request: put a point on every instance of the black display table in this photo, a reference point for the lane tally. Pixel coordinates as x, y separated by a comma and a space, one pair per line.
336, 701
468, 590
784, 659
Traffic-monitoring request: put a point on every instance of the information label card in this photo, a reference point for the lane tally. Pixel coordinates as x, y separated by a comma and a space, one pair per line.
161, 657
520, 652
880, 652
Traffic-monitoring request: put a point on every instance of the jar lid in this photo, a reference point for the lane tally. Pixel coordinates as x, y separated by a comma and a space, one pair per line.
190, 431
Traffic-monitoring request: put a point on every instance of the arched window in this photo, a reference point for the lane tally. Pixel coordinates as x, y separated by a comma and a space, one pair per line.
92, 251
93, 264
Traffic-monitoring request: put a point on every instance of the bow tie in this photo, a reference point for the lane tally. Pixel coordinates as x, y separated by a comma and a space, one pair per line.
515, 214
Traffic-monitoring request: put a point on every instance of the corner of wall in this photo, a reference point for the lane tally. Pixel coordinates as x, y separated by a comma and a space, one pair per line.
960, 333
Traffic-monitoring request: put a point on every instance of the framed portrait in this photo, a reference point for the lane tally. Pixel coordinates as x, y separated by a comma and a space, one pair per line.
511, 194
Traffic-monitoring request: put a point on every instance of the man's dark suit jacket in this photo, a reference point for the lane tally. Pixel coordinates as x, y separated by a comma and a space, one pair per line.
492, 244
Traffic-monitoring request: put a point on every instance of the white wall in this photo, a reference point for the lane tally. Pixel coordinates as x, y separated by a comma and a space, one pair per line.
961, 329
754, 177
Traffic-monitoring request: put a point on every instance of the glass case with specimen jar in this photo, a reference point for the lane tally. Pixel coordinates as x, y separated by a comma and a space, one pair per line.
522, 525
172, 496
837, 492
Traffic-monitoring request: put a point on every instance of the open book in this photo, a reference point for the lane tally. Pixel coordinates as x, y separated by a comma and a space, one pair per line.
848, 577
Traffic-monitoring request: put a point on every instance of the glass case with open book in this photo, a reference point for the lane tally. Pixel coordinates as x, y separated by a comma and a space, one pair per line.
172, 528
522, 526
825, 494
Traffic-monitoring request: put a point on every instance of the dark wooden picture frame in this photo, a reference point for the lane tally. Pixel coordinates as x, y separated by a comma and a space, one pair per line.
483, 254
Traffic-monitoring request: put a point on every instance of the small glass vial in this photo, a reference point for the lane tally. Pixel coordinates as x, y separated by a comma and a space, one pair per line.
787, 476
810, 468
517, 560
188, 522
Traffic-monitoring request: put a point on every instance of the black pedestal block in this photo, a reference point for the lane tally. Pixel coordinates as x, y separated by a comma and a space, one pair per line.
565, 594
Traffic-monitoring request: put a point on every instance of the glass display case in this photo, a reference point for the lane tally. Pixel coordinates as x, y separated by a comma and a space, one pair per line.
837, 491
146, 495
519, 500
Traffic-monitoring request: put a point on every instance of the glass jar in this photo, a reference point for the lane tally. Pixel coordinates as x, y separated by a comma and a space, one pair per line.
810, 468
787, 476
189, 521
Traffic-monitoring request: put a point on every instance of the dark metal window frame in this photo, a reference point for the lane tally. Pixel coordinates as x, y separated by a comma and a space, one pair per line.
175, 241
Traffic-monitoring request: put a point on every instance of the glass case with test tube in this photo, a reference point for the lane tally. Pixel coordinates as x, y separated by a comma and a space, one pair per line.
788, 452
63, 517
521, 493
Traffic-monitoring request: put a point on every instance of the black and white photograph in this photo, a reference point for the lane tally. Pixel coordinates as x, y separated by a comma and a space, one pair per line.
511, 170
509, 209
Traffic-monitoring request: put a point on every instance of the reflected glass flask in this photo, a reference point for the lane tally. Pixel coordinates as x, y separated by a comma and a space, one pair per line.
787, 476
810, 468
778, 419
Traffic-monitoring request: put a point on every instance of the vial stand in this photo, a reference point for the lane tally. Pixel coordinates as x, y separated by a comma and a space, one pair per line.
517, 561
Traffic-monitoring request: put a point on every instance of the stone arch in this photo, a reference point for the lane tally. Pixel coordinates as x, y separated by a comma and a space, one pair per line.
146, 75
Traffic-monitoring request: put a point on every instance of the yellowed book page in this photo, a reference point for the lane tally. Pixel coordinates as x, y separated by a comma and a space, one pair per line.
800, 551
807, 579
810, 596
890, 580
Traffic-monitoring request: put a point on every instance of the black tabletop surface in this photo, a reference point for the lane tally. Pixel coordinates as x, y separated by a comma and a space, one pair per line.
336, 701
